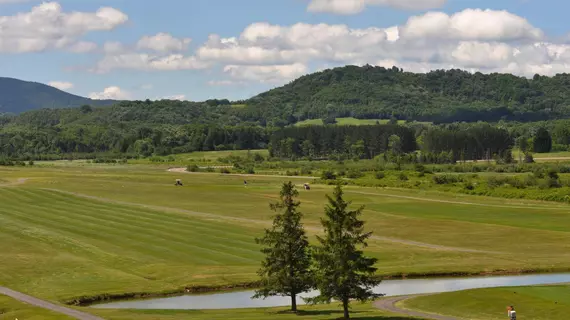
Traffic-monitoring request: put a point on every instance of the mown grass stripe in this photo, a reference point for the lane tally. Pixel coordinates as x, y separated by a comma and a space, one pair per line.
144, 243
115, 216
137, 233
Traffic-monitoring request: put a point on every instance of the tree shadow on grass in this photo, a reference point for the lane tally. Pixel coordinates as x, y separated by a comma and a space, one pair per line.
339, 313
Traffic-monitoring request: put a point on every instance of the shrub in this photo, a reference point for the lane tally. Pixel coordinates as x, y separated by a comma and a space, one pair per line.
306, 170
447, 178
403, 177
552, 174
31, 163
468, 186
380, 175
328, 175
354, 174
224, 171
192, 168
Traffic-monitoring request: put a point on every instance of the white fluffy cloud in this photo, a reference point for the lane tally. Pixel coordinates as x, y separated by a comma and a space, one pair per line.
148, 62
61, 85
472, 39
357, 6
112, 93
47, 26
180, 97
272, 73
163, 42
470, 24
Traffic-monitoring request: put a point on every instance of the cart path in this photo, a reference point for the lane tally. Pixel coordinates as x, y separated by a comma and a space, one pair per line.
47, 305
264, 223
389, 304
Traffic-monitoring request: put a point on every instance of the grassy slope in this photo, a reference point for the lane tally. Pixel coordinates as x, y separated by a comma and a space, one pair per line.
11, 309
545, 302
323, 312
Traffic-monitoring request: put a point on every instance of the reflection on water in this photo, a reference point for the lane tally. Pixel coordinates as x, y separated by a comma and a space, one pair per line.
236, 300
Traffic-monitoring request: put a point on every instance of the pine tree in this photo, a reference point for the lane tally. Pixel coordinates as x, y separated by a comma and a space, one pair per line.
285, 270
343, 273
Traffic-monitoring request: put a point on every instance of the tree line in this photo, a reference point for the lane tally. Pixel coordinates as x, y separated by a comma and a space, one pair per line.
144, 141
438, 144
336, 267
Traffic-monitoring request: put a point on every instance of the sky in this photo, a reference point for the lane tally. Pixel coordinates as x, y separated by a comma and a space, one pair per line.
235, 49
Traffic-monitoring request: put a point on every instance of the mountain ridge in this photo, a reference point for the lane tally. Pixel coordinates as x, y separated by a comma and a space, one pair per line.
17, 96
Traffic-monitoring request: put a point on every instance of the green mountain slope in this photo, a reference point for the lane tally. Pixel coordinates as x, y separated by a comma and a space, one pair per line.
17, 96
446, 96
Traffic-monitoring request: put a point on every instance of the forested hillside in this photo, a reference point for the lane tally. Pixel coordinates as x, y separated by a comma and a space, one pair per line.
18, 96
144, 128
439, 96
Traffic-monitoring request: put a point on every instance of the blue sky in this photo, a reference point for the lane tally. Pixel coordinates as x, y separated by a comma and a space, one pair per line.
201, 49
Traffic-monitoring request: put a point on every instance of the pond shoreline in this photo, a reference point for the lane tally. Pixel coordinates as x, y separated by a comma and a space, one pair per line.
86, 301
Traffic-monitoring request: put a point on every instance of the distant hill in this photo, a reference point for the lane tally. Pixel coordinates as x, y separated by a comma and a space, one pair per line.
17, 96
443, 96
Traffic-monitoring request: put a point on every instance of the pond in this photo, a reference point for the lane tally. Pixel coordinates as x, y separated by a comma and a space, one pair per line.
242, 299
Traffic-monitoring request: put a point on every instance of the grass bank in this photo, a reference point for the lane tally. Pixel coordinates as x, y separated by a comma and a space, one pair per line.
540, 302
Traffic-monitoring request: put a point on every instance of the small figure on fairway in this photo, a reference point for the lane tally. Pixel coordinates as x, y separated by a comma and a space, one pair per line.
511, 313
178, 183
306, 186
244, 183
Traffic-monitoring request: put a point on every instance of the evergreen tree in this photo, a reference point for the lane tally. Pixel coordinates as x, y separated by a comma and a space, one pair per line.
343, 273
542, 141
285, 270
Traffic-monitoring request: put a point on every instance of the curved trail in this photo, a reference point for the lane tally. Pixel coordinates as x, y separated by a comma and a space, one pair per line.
47, 305
264, 223
389, 304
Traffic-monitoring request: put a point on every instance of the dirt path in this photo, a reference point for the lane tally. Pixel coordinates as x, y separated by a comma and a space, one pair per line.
389, 304
248, 222
47, 305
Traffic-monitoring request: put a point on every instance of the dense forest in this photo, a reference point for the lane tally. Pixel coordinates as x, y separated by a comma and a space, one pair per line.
439, 144
438, 96
454, 102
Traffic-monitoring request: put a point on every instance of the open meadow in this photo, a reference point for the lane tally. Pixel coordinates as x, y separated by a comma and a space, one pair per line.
540, 302
82, 232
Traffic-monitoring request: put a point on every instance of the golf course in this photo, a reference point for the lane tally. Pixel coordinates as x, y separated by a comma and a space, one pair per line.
81, 233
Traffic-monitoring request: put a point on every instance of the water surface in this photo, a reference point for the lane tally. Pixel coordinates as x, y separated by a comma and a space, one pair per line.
242, 299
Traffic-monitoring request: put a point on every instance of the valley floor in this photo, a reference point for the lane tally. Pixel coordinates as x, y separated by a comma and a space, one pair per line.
87, 231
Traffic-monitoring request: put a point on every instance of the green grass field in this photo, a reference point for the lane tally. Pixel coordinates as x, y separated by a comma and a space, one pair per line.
76, 231
11, 309
322, 312
541, 302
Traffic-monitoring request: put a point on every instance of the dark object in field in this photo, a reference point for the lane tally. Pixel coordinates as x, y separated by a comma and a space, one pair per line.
178, 183
306, 186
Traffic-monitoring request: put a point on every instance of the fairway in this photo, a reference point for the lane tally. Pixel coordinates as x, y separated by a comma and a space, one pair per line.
78, 231
541, 302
